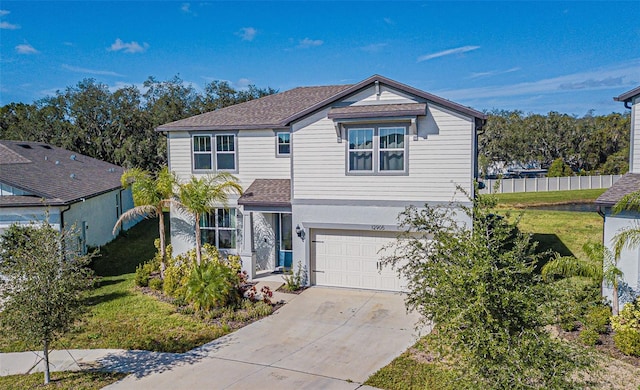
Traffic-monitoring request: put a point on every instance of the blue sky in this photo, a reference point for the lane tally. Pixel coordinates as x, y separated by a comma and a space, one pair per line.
534, 56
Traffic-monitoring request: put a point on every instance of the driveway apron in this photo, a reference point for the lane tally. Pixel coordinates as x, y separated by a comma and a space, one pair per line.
325, 338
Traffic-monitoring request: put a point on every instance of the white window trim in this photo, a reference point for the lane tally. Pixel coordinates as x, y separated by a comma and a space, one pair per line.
278, 154
234, 152
194, 153
376, 171
216, 229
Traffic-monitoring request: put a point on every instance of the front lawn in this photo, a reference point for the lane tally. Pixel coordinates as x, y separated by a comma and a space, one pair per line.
524, 199
77, 380
119, 315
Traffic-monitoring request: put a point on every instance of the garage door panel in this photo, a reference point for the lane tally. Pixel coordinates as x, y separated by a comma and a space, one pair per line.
351, 259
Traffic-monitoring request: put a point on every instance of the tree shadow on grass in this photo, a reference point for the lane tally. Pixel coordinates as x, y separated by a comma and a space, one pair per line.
549, 244
98, 299
104, 283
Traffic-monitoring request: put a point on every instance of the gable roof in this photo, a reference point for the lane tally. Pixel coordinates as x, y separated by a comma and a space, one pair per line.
52, 175
280, 110
627, 184
627, 96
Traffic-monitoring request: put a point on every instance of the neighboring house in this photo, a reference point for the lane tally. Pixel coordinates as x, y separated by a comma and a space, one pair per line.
326, 172
43, 182
629, 262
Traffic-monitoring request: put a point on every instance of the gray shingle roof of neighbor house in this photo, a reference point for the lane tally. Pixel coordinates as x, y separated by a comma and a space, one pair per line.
280, 110
627, 96
267, 193
628, 183
53, 175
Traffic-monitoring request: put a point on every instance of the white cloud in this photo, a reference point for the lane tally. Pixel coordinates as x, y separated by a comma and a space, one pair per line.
618, 75
26, 48
307, 42
4, 12
374, 47
476, 75
389, 21
247, 33
186, 8
457, 50
77, 69
8, 26
131, 47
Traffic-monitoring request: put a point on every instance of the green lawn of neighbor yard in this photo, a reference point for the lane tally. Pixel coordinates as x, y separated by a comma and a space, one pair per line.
120, 316
524, 199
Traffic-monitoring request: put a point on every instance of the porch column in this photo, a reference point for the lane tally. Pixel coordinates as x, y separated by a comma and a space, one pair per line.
246, 250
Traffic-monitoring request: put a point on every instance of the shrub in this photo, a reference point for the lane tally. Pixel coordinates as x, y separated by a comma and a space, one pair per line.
628, 342
212, 284
627, 329
155, 284
295, 281
143, 273
589, 337
559, 168
597, 318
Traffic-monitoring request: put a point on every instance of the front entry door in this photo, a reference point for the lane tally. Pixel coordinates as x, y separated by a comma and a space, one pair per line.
285, 232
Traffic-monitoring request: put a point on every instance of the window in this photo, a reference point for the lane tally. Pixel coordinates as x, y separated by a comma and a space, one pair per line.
392, 149
284, 144
219, 228
202, 152
226, 152
377, 150
361, 150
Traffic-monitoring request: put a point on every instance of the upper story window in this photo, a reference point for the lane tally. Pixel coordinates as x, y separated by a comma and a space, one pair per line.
377, 150
283, 147
202, 152
222, 146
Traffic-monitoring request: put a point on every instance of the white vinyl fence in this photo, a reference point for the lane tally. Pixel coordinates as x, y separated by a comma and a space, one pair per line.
541, 184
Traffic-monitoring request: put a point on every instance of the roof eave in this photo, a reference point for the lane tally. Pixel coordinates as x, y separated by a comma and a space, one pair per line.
222, 127
627, 96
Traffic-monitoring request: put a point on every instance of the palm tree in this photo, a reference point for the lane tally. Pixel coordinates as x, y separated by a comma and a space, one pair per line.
600, 265
199, 196
151, 194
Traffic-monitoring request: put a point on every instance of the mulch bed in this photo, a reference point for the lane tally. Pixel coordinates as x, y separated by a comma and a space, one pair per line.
283, 289
605, 345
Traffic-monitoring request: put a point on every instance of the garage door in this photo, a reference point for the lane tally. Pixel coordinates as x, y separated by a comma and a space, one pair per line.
351, 259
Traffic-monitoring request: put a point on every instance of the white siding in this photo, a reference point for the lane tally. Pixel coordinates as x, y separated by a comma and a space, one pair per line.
387, 95
256, 156
440, 159
635, 134
629, 262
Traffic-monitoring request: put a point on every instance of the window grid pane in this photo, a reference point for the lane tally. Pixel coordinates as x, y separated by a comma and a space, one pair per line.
361, 149
225, 152
219, 228
284, 142
202, 152
392, 149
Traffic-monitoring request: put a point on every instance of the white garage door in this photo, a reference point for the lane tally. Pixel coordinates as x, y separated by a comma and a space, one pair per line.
351, 259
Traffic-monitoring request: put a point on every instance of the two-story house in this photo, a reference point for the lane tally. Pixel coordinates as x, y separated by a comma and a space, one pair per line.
326, 172
629, 262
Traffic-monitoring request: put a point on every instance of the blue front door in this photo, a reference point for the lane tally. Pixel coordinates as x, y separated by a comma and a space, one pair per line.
285, 234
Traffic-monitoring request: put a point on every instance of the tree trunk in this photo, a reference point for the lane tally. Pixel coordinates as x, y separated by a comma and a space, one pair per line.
163, 250
614, 301
47, 376
198, 244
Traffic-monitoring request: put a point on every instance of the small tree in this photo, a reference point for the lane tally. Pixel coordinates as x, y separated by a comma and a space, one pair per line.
199, 196
478, 285
45, 283
559, 168
151, 194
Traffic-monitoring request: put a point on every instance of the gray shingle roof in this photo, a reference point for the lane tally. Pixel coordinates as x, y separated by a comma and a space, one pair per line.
279, 110
627, 96
267, 193
627, 184
54, 174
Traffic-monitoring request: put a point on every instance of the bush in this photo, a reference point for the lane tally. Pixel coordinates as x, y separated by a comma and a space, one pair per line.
155, 284
143, 273
589, 337
627, 329
559, 168
597, 319
295, 281
628, 342
212, 284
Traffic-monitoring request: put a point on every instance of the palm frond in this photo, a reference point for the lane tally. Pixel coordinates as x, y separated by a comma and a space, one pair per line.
569, 266
626, 238
628, 202
147, 211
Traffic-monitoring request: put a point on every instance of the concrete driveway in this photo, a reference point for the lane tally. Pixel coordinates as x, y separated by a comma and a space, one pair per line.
324, 338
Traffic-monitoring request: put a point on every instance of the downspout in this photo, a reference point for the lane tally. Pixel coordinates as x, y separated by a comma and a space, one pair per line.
62, 217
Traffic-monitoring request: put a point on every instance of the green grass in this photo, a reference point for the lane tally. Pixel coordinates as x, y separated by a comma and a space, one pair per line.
523, 199
119, 316
77, 380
